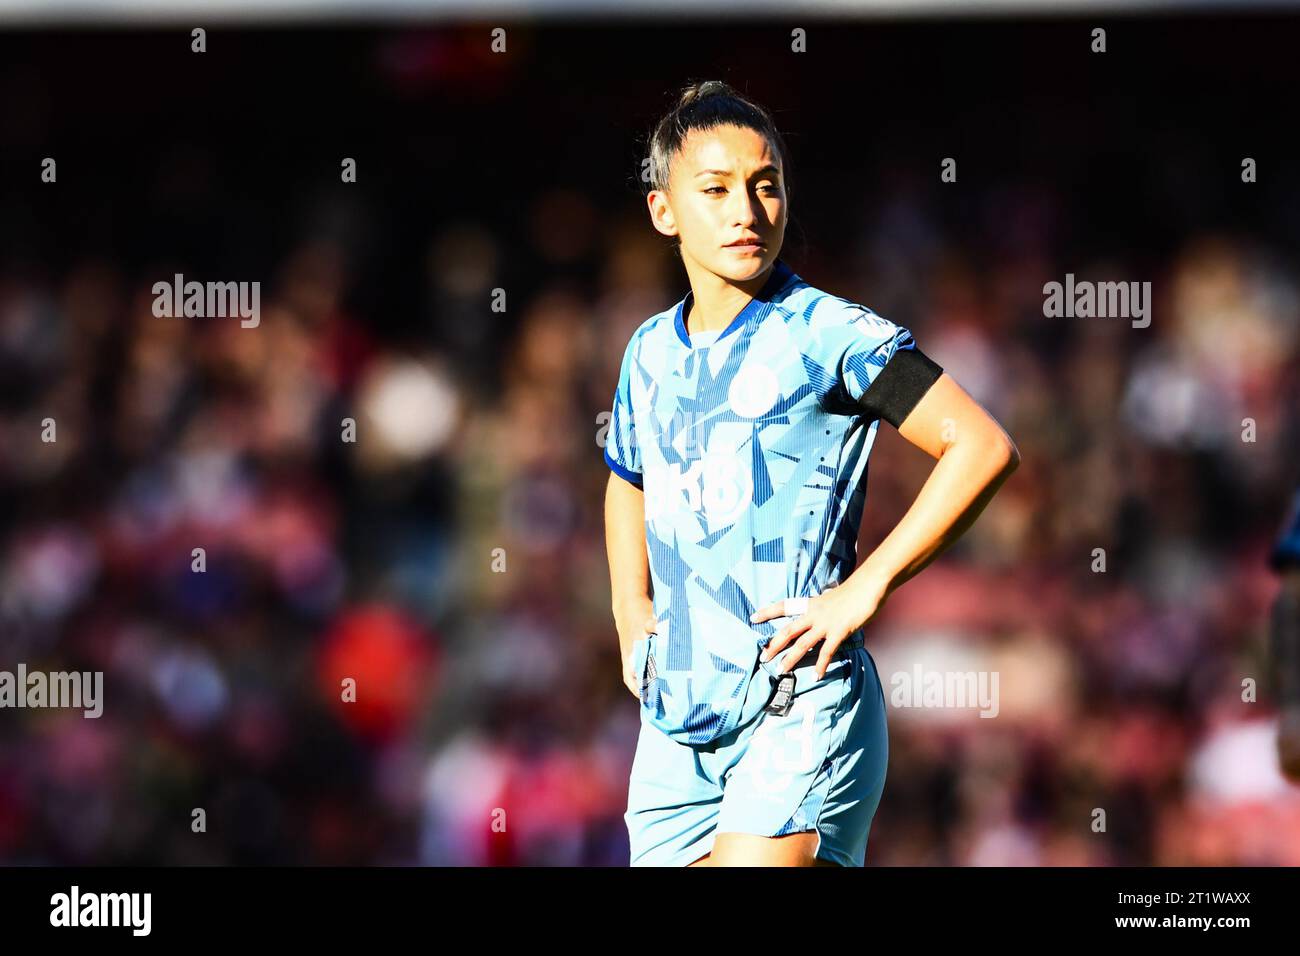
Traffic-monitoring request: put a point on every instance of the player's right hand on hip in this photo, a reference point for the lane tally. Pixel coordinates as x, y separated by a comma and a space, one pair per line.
631, 679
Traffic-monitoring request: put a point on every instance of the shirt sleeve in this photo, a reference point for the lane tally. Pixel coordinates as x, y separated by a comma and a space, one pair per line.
847, 353
622, 454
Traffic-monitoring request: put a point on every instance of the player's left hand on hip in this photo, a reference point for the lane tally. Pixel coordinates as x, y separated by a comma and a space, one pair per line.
828, 618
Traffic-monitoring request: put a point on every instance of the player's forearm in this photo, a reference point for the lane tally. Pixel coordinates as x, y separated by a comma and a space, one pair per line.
629, 563
964, 480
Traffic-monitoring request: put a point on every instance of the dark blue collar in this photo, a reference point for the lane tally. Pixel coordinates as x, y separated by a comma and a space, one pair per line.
780, 273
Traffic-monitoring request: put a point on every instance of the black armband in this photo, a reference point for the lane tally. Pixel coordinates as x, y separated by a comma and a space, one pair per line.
904, 380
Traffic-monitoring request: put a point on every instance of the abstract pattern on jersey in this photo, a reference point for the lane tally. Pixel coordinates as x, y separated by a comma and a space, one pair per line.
753, 460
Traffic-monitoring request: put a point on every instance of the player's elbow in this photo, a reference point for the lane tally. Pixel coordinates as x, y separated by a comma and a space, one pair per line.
1000, 453
1012, 454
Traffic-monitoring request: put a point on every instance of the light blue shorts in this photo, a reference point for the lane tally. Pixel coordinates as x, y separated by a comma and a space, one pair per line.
821, 767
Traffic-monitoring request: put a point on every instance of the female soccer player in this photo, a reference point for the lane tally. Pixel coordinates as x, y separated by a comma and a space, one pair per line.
741, 426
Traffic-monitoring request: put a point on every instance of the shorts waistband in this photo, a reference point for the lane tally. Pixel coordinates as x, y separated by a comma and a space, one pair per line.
845, 649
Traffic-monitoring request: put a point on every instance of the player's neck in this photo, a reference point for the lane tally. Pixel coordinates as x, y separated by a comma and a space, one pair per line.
715, 302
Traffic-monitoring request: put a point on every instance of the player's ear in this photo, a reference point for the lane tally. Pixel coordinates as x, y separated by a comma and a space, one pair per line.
661, 214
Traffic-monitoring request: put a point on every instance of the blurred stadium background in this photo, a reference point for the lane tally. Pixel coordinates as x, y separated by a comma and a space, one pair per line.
483, 692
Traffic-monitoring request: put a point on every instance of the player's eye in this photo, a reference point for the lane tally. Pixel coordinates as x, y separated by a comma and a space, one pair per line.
771, 188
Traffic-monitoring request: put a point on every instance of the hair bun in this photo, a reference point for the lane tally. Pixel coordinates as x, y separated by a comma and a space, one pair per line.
703, 90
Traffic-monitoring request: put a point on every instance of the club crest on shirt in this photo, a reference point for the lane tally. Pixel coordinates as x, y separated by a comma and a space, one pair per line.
753, 391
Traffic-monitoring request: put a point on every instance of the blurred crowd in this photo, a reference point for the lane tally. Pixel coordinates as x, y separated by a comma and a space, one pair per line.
418, 517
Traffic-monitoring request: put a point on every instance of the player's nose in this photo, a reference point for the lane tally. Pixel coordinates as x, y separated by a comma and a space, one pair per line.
747, 211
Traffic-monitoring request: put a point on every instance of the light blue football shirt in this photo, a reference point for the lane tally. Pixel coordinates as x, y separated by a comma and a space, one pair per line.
752, 455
